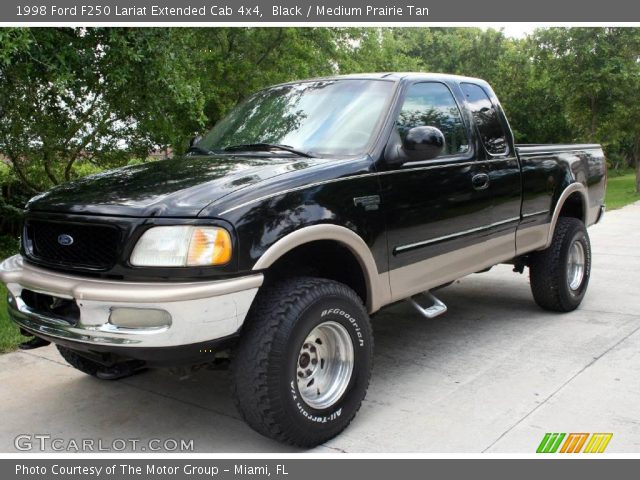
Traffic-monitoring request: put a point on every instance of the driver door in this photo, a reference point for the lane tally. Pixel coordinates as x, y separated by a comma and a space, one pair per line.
435, 209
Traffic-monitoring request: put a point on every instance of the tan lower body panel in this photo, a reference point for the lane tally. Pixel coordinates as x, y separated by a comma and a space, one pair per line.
432, 272
531, 238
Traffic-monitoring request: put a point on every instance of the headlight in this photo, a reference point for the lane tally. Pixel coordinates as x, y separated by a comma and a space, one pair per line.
184, 246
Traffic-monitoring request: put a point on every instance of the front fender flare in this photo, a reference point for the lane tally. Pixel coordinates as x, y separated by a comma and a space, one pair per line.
378, 289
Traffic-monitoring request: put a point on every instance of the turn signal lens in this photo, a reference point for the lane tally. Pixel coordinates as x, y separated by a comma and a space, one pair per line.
209, 246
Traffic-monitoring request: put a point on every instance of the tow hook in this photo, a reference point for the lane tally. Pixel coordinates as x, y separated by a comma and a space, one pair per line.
184, 372
119, 370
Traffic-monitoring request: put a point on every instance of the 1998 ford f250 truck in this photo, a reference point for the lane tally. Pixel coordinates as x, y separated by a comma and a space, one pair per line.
311, 206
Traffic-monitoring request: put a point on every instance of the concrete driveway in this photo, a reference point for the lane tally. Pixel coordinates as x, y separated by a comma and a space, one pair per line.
492, 375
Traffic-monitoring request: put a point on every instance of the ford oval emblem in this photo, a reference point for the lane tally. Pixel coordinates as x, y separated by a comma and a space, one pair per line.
65, 240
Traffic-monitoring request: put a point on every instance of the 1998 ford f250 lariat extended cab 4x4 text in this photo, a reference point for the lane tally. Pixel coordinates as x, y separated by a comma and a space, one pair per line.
311, 206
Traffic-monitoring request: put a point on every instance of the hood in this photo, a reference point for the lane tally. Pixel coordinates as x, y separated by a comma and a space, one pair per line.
178, 187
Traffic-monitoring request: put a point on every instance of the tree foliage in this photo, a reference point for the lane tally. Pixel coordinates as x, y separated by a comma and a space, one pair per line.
235, 62
92, 95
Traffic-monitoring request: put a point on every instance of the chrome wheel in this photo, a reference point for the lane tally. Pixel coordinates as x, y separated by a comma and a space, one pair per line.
575, 265
325, 365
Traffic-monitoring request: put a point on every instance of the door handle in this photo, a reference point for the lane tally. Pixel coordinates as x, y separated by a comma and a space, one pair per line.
480, 181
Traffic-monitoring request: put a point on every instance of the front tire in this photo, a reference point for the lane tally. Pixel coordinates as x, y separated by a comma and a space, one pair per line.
302, 366
560, 274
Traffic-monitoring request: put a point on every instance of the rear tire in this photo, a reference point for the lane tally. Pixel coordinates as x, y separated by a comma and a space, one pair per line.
560, 274
303, 363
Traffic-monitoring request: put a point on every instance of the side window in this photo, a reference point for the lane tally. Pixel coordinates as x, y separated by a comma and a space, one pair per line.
486, 118
431, 104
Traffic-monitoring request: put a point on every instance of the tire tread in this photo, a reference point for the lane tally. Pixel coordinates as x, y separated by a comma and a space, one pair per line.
278, 305
546, 268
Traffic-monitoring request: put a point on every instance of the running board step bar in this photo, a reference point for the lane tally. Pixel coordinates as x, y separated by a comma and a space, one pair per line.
437, 307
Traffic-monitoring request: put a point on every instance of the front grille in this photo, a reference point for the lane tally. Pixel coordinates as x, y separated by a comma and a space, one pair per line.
92, 246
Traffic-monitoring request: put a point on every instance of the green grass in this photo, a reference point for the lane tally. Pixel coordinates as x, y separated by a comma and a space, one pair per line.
621, 190
9, 334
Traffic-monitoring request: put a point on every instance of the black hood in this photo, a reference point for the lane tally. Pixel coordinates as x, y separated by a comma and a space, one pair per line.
179, 187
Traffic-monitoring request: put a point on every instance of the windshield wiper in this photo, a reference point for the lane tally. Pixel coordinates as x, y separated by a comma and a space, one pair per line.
265, 147
200, 150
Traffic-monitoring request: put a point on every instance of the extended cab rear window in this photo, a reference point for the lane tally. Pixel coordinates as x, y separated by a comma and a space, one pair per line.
486, 119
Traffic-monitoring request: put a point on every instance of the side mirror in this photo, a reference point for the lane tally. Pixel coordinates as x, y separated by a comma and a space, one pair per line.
423, 143
420, 143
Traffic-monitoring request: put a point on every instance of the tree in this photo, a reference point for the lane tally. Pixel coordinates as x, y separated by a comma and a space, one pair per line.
377, 50
598, 71
98, 95
236, 62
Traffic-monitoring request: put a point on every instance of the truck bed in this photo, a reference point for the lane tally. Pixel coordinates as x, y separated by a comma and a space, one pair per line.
548, 168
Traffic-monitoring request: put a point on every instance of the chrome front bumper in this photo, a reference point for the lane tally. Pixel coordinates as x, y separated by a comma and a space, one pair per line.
197, 311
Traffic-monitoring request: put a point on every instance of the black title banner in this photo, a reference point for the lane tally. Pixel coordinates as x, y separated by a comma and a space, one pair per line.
314, 11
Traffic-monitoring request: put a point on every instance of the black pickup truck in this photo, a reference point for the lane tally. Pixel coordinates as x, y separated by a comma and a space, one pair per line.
310, 207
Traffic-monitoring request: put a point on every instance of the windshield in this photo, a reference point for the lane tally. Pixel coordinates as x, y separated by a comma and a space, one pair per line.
322, 118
